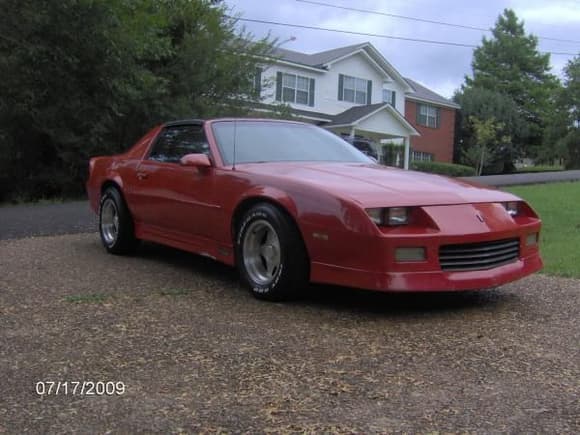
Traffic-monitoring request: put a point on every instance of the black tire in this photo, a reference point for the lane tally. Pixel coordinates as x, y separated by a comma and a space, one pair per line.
120, 240
291, 276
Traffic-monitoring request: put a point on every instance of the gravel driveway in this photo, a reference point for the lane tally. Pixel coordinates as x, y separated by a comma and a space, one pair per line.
197, 353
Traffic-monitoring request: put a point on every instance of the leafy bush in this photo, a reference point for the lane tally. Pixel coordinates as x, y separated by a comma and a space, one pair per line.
393, 154
572, 144
540, 168
449, 169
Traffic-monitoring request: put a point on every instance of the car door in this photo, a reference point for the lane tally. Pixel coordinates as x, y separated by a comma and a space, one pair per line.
176, 199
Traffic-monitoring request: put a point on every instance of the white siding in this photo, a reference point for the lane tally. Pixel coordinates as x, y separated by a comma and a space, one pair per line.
358, 66
326, 84
381, 122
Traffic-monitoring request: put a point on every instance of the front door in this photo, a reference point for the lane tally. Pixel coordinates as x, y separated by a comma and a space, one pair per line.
177, 199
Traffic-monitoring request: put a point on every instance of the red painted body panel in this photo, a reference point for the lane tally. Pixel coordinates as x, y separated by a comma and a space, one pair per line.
193, 208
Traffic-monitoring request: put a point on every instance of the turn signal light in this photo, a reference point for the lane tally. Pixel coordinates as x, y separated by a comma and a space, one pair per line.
403, 255
532, 239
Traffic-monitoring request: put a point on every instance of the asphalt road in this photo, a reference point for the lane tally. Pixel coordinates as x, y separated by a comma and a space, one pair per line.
46, 219
195, 353
531, 178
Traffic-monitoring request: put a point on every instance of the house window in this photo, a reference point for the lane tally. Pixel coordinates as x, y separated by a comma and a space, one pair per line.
293, 88
428, 116
420, 156
354, 90
389, 97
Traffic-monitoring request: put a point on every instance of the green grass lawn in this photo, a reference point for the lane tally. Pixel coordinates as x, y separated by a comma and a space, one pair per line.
558, 205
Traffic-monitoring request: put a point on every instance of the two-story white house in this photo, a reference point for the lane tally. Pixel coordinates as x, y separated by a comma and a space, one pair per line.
350, 90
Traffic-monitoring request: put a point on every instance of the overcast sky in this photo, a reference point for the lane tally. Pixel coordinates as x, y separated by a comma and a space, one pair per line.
441, 68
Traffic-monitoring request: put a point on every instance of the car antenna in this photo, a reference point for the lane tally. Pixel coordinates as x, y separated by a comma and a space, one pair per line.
235, 134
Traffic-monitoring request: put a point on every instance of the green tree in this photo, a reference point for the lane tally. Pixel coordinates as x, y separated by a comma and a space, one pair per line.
485, 104
57, 65
570, 96
566, 120
488, 143
86, 77
509, 63
557, 127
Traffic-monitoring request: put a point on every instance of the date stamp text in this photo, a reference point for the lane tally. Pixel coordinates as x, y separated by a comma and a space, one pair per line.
79, 388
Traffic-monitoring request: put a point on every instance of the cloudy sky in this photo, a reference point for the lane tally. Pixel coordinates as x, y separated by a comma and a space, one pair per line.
441, 68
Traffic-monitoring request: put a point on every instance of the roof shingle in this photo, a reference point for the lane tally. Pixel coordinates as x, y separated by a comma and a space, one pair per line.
316, 60
354, 114
423, 93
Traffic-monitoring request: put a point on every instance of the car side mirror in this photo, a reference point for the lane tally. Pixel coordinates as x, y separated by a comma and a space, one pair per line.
195, 160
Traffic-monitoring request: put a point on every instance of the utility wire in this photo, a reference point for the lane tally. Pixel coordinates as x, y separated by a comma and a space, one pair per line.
376, 35
422, 20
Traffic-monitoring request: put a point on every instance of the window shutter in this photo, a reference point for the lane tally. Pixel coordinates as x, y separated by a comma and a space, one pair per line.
279, 86
438, 120
340, 87
393, 98
311, 93
418, 120
258, 82
369, 91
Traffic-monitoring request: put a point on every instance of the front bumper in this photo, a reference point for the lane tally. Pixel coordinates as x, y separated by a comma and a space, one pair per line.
427, 281
369, 262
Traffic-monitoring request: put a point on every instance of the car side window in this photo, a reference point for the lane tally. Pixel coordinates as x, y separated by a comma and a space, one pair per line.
175, 142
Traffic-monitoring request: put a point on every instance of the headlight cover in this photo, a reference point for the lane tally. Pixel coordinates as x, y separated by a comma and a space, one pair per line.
397, 216
392, 216
376, 215
512, 208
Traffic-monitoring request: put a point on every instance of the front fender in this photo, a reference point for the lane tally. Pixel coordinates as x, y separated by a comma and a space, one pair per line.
270, 194
331, 227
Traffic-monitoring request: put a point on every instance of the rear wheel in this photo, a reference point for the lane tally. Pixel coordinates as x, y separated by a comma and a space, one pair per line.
270, 254
116, 224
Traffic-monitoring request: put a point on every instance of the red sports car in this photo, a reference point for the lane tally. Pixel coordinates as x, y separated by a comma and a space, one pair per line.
288, 202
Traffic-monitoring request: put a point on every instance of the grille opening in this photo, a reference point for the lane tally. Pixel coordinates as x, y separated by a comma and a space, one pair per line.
478, 256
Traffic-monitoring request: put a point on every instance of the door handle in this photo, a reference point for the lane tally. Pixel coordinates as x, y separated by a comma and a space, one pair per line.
142, 175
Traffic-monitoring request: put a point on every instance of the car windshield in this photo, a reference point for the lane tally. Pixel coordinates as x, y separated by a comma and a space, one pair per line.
262, 141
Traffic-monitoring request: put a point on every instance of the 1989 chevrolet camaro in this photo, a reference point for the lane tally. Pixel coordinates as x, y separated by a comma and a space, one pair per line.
288, 203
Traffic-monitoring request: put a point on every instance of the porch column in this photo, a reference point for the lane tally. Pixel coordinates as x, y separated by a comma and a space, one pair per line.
352, 133
407, 152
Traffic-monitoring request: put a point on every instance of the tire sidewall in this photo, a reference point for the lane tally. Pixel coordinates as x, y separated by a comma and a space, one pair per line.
126, 242
109, 195
262, 213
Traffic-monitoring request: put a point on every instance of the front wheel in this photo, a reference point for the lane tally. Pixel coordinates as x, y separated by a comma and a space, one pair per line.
116, 224
270, 254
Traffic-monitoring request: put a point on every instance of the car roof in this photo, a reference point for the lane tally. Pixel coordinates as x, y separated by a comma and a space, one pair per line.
184, 122
203, 121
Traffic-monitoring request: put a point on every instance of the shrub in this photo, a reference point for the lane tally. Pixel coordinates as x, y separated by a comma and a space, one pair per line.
539, 168
572, 143
449, 169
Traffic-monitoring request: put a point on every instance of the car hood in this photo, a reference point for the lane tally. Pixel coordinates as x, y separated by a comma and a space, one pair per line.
373, 185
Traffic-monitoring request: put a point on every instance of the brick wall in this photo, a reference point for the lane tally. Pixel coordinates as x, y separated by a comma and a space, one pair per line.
437, 141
